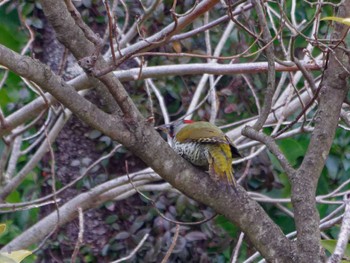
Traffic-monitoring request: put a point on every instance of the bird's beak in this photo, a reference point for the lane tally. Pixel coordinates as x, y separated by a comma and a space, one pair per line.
164, 128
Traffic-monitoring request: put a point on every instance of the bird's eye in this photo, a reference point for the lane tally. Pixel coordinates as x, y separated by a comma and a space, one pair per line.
171, 131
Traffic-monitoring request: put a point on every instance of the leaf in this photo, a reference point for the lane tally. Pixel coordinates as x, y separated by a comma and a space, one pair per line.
330, 246
345, 21
2, 228
94, 134
136, 226
292, 149
122, 235
5, 259
75, 163
230, 228
16, 256
177, 46
195, 236
111, 219
333, 165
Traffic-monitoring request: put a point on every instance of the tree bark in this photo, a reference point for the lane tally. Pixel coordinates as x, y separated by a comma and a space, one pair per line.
333, 91
140, 137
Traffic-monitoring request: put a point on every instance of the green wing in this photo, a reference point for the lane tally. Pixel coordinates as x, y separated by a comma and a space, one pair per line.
201, 131
205, 132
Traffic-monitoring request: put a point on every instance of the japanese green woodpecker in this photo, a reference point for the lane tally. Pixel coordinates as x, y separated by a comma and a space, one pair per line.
205, 145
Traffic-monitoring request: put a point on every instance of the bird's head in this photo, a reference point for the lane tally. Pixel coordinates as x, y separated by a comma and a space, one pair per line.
173, 128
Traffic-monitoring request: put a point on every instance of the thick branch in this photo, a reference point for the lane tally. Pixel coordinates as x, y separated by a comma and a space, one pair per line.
68, 212
239, 208
272, 146
145, 142
40, 74
32, 109
163, 36
333, 92
72, 37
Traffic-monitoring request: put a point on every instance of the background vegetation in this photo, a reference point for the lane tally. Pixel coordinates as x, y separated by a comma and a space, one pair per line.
72, 135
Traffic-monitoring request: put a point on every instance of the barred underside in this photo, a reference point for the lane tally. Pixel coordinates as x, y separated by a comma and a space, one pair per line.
216, 157
204, 144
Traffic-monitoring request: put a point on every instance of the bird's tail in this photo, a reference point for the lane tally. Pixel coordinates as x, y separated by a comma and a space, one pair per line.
231, 179
226, 175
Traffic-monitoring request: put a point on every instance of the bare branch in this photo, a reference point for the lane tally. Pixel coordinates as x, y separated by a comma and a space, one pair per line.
198, 68
343, 236
86, 200
237, 248
269, 51
160, 213
333, 91
272, 146
139, 245
80, 235
173, 244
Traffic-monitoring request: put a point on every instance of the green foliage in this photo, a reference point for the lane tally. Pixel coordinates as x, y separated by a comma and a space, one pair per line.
230, 228
345, 21
15, 256
11, 34
330, 245
293, 150
213, 240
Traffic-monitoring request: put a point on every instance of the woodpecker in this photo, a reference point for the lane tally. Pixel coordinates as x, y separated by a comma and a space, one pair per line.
204, 145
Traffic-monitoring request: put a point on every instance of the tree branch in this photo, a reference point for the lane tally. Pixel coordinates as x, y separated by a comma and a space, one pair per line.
77, 41
147, 144
272, 146
343, 236
269, 51
332, 94
41, 75
81, 82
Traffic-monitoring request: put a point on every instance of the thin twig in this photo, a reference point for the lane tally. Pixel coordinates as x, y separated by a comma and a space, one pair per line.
272, 146
53, 176
68, 185
4, 78
251, 87
110, 28
211, 24
63, 62
237, 248
269, 51
126, 12
307, 106
199, 89
15, 154
80, 235
173, 244
160, 213
139, 245
150, 101
161, 101
247, 167
25, 206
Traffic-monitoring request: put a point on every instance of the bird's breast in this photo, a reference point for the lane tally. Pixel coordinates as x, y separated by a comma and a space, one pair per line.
194, 152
